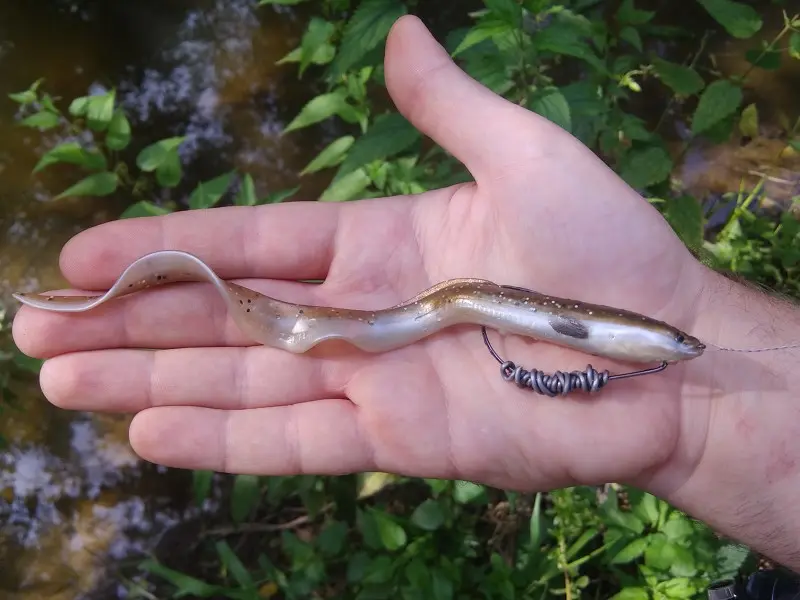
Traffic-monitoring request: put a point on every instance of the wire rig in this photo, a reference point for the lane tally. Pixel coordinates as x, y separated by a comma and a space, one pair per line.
560, 383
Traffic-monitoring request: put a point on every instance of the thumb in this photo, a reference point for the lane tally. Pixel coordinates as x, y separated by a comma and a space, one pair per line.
481, 129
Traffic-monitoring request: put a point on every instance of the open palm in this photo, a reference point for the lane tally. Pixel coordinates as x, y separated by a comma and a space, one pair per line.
544, 213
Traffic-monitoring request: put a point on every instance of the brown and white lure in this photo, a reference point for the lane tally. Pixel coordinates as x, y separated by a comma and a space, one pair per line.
594, 329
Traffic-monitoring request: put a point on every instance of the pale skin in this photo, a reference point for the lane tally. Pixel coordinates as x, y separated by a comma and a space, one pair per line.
717, 436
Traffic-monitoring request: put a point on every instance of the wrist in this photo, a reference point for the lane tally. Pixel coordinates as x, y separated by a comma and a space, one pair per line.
737, 464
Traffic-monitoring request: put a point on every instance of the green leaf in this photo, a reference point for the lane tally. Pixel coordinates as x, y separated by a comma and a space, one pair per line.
467, 491
100, 110
208, 193
748, 122
98, 184
389, 135
244, 496
186, 585
683, 80
41, 120
368, 27
730, 558
280, 2
631, 35
317, 34
247, 192
279, 196
151, 157
685, 215
536, 525
392, 535
330, 156
323, 55
235, 567
630, 15
119, 131
145, 208
677, 529
738, 19
26, 97
331, 539
346, 188
428, 515
27, 363
631, 552
170, 171
508, 11
320, 108
719, 101
647, 508
482, 31
794, 45
767, 60
643, 168
631, 593
72, 153
552, 105
78, 106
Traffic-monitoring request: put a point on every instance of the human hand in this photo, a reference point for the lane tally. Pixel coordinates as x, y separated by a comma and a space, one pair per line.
544, 213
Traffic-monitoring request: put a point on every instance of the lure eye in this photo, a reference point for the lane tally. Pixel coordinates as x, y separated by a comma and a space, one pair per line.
680, 339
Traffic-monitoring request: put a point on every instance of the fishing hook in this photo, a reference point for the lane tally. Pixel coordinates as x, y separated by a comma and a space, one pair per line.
560, 382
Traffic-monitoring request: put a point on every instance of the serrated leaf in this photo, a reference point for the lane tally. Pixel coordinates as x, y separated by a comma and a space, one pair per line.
119, 131
247, 192
100, 110
748, 122
208, 193
346, 188
643, 168
730, 558
738, 19
155, 154
508, 11
632, 36
244, 496
72, 153
428, 515
41, 120
330, 156
552, 105
323, 55
145, 208
683, 80
97, 184
482, 31
719, 101
170, 171
320, 108
685, 215
389, 135
368, 27
317, 34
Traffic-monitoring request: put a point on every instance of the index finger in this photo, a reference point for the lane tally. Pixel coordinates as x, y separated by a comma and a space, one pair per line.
283, 241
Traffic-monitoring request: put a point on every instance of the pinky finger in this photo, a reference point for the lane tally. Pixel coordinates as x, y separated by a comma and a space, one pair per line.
321, 437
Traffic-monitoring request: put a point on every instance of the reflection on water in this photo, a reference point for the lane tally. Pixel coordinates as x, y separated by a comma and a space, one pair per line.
72, 493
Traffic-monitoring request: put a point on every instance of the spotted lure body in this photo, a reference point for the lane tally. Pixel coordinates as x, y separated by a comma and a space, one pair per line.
593, 329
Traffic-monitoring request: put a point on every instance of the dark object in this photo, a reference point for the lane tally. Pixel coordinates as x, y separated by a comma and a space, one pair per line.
761, 585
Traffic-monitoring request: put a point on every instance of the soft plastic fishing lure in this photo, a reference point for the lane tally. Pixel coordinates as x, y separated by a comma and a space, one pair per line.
594, 329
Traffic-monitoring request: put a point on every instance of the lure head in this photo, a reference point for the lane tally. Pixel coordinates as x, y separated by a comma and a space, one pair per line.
648, 341
686, 346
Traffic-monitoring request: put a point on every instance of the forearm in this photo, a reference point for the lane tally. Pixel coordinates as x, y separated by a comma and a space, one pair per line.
745, 476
